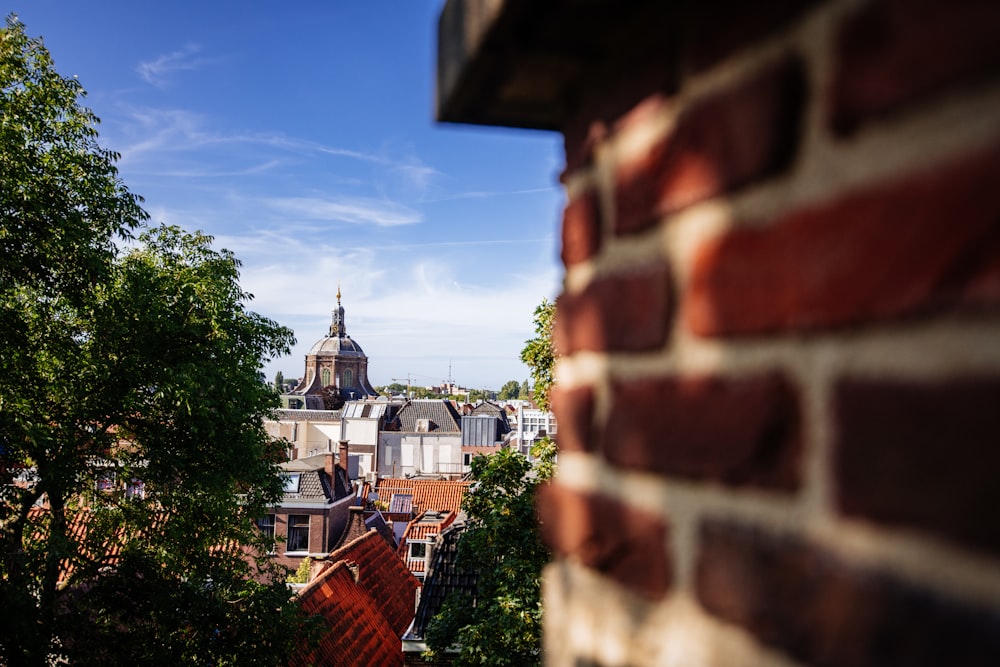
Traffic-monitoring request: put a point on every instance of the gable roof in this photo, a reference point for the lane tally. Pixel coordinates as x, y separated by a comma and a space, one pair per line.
287, 414
442, 578
366, 598
429, 524
428, 494
440, 414
314, 484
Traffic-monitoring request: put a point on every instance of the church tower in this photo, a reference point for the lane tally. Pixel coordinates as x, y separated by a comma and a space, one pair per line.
335, 361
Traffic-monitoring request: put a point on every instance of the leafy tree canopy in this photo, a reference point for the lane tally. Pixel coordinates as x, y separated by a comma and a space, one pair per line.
133, 458
481, 395
501, 625
509, 391
540, 354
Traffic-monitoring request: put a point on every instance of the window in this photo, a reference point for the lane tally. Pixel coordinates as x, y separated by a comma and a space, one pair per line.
326, 377
401, 503
106, 481
266, 525
348, 378
298, 533
135, 489
292, 483
467, 459
418, 549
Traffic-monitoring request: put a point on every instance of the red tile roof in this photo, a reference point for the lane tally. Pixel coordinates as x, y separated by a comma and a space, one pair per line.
428, 494
367, 599
86, 550
419, 529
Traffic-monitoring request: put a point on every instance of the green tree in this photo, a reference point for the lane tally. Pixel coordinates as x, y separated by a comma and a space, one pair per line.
540, 354
132, 448
509, 390
501, 623
481, 395
525, 391
279, 382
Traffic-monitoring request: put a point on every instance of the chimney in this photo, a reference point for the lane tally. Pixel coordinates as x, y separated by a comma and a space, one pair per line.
328, 465
343, 455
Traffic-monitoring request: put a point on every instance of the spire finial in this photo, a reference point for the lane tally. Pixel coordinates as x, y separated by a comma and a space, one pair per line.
337, 327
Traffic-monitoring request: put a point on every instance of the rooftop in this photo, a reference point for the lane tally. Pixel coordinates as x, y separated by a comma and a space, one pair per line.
441, 495
430, 416
366, 596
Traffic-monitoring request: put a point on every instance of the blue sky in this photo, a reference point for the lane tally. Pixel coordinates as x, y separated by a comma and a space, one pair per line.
301, 136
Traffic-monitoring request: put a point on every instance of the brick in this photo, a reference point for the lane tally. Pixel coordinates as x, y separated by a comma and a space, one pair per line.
897, 248
709, 39
581, 229
630, 311
621, 542
795, 597
937, 445
574, 411
718, 144
739, 431
892, 53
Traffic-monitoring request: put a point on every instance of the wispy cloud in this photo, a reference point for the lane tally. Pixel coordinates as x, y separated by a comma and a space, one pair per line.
487, 194
345, 209
150, 133
185, 58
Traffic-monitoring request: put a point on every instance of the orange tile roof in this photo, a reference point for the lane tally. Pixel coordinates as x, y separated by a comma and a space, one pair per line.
93, 553
419, 529
367, 599
428, 494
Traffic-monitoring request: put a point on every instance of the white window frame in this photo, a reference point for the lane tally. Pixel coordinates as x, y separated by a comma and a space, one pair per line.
288, 535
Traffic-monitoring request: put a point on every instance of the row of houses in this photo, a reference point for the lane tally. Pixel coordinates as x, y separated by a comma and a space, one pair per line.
370, 546
408, 438
373, 499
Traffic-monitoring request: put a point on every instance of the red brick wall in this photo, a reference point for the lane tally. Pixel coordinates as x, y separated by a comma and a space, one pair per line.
779, 397
318, 539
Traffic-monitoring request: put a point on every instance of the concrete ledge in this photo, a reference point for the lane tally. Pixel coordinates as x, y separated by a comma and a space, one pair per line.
519, 63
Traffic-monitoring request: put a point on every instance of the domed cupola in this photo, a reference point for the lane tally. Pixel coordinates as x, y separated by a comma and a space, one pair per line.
335, 361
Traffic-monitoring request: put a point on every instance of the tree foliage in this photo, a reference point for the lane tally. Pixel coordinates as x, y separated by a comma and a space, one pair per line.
509, 391
333, 397
501, 624
132, 450
539, 353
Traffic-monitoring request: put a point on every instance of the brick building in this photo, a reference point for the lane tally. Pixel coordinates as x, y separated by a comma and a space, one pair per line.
779, 389
315, 514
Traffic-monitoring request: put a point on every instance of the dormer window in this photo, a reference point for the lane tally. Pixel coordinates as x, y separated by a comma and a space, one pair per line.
292, 483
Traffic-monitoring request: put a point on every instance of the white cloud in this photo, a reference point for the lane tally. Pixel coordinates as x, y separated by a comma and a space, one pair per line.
155, 140
185, 58
487, 194
412, 315
345, 209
